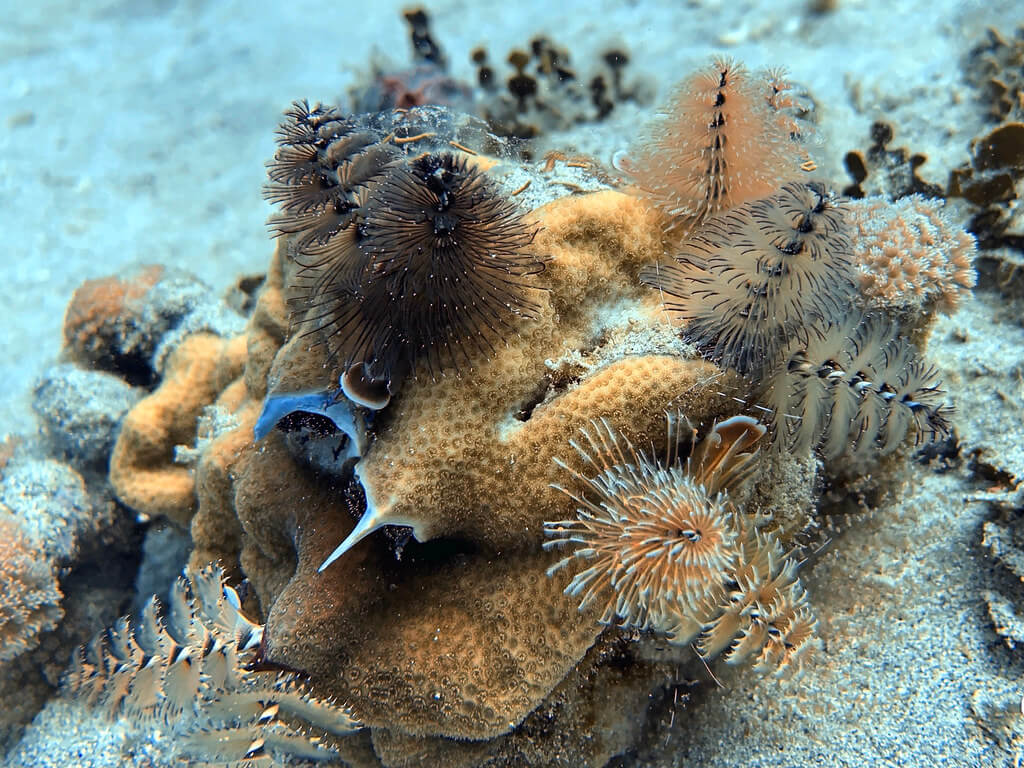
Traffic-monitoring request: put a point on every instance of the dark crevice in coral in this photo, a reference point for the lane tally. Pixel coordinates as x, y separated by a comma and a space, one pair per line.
441, 550
539, 395
134, 368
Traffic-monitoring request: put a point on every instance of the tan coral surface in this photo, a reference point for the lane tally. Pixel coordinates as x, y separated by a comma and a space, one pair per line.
143, 471
427, 644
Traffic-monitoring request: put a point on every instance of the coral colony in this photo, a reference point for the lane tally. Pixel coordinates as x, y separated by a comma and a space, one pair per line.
482, 456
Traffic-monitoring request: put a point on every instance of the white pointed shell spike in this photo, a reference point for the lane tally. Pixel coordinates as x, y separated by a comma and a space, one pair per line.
377, 515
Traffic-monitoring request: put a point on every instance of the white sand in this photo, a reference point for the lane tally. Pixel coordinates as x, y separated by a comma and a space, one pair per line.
136, 131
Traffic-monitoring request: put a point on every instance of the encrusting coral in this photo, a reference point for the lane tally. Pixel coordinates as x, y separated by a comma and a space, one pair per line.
465, 459
101, 314
388, 501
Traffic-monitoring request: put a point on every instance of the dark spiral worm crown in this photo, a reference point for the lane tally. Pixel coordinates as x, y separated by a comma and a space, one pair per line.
402, 259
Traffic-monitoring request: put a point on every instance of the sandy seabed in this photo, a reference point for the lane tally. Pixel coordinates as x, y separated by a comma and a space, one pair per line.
136, 133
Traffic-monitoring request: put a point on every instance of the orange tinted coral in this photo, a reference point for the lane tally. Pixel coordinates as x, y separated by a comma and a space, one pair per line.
101, 312
143, 470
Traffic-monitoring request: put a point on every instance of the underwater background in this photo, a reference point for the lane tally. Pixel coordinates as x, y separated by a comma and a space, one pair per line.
147, 346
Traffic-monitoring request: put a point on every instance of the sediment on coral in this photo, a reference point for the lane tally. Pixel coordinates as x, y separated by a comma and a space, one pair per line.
128, 325
56, 521
80, 411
